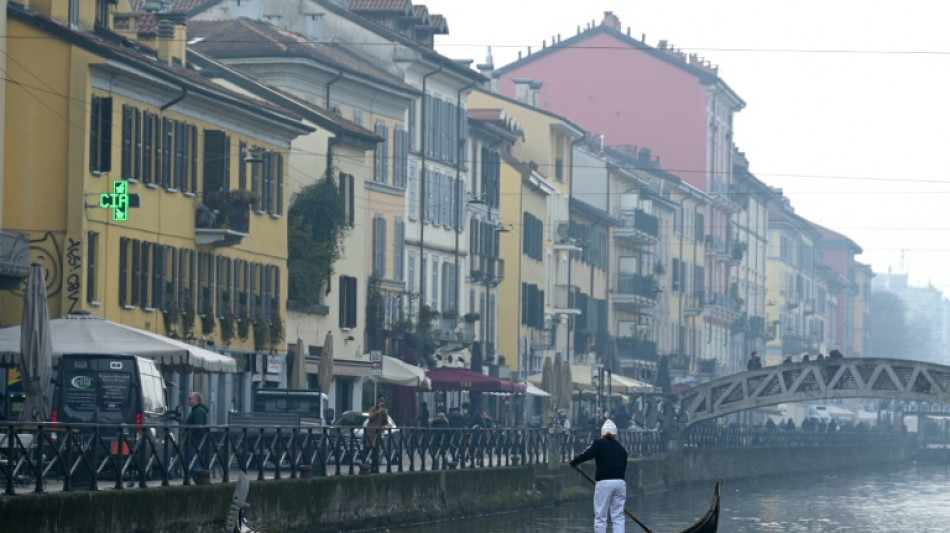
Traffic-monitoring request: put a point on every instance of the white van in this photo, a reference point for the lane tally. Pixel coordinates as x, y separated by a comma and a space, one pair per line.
819, 413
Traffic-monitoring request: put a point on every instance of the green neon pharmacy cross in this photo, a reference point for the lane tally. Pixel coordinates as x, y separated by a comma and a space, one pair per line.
120, 200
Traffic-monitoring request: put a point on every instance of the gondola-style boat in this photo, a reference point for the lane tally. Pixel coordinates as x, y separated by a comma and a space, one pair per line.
237, 521
709, 523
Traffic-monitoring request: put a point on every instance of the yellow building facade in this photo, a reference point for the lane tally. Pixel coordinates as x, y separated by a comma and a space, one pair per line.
202, 256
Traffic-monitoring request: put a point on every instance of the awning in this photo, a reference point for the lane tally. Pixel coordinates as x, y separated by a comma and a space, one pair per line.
464, 379
532, 390
580, 376
91, 334
398, 372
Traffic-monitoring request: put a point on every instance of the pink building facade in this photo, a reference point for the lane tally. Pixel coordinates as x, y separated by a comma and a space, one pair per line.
656, 98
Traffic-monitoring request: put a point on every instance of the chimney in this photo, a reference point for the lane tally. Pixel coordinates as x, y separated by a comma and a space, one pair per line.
166, 36
611, 21
488, 66
527, 91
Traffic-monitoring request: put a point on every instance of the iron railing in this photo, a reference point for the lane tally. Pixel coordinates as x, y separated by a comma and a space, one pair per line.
52, 457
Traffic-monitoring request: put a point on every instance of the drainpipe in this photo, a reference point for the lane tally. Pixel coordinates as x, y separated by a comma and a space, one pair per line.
335, 79
179, 98
459, 216
422, 186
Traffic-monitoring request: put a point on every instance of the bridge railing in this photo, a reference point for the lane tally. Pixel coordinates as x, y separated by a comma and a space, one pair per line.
49, 457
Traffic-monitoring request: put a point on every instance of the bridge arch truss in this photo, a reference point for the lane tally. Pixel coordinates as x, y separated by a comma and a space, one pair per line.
817, 380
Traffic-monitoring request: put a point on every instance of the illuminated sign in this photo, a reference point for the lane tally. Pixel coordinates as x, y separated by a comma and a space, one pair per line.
120, 200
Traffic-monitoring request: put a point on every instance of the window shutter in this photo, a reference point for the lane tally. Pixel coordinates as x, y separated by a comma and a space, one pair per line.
280, 184
127, 131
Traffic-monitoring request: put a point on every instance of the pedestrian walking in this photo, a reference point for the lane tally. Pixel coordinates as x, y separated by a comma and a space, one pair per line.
755, 363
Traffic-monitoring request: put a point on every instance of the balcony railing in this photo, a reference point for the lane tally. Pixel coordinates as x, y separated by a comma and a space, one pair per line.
223, 221
485, 269
639, 222
564, 298
634, 348
14, 258
636, 284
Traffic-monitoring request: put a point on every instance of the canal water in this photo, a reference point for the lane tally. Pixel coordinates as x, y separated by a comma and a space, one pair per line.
910, 497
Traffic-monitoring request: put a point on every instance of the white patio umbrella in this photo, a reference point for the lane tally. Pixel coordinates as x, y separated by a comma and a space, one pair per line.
36, 347
91, 334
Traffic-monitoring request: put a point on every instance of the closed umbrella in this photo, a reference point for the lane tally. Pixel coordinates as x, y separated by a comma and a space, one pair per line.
547, 383
36, 347
566, 384
325, 370
299, 378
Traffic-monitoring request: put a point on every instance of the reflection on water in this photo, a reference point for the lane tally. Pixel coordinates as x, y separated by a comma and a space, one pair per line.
893, 499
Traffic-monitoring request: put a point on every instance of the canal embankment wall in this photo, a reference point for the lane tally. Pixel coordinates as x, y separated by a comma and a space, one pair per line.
346, 503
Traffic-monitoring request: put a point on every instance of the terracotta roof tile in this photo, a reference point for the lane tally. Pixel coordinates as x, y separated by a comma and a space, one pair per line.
420, 11
115, 47
484, 114
186, 6
243, 38
379, 5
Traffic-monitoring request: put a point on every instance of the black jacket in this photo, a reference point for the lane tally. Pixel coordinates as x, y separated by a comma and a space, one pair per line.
610, 456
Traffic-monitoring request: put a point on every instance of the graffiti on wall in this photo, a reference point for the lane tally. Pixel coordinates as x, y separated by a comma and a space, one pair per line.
47, 251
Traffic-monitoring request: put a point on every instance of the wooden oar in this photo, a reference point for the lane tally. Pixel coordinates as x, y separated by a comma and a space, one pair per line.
625, 510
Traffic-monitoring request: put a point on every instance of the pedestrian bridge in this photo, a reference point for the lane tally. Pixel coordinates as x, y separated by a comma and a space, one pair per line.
816, 380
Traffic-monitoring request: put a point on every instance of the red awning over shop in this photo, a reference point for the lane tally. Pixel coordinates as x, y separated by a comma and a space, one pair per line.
464, 379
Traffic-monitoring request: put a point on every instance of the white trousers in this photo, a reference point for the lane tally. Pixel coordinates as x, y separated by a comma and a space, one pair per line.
610, 495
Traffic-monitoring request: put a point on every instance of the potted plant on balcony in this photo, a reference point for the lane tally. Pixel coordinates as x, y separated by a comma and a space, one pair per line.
172, 311
450, 313
226, 320
658, 268
243, 197
243, 317
471, 318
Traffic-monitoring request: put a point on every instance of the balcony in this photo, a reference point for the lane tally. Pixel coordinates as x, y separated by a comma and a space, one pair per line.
484, 269
563, 300
718, 247
634, 348
724, 196
635, 291
638, 228
14, 258
446, 329
757, 326
723, 307
223, 221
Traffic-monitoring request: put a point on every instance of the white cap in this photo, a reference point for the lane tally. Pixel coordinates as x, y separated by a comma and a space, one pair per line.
608, 428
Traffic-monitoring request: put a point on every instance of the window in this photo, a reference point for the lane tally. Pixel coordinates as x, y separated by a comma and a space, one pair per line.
379, 246
92, 252
413, 193
217, 159
434, 299
400, 157
347, 302
412, 272
348, 194
100, 135
381, 156
399, 250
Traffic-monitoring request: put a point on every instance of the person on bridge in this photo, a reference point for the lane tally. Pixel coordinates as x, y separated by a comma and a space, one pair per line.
610, 491
755, 363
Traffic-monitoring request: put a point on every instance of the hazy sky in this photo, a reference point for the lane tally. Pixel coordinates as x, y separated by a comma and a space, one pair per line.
847, 102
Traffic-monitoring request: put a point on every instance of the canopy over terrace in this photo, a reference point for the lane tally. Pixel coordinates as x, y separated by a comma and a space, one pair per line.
91, 334
397, 372
464, 379
580, 381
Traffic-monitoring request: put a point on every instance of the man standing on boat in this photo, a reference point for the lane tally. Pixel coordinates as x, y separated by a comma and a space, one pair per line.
610, 492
